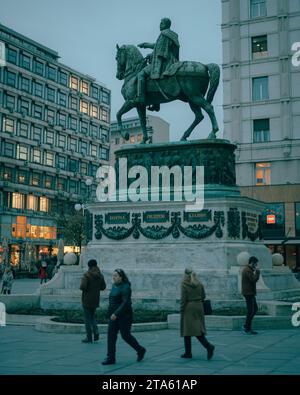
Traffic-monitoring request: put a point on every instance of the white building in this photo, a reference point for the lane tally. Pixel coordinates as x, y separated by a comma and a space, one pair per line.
262, 111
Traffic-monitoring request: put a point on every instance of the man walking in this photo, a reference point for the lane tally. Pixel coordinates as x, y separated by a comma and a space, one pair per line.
250, 276
91, 284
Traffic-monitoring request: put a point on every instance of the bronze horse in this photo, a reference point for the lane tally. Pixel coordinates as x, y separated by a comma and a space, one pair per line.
189, 83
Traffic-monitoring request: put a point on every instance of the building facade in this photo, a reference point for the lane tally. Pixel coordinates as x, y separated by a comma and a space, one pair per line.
158, 131
262, 112
54, 128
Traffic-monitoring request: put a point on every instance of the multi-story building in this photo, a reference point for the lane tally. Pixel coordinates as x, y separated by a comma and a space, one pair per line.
262, 111
157, 128
54, 128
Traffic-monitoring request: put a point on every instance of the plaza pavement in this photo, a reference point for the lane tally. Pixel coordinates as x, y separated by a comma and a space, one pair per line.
25, 351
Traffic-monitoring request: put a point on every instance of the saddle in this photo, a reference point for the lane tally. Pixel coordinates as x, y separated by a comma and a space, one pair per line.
168, 87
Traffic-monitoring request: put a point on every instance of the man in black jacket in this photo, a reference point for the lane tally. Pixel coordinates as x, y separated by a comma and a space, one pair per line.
91, 284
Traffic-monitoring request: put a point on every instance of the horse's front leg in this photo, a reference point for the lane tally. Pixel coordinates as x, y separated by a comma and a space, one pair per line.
127, 106
142, 115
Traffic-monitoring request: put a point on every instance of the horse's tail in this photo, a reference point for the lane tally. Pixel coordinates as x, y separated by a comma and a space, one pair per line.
214, 77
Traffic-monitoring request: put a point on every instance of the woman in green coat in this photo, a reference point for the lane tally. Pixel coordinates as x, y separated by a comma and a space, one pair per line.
192, 321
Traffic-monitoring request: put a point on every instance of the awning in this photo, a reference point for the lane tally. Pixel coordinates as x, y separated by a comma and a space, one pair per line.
279, 242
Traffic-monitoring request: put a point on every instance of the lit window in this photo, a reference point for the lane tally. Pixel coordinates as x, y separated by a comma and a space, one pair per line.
49, 159
44, 204
17, 200
7, 175
8, 125
48, 182
36, 155
261, 130
104, 114
84, 106
21, 178
263, 173
36, 179
132, 139
32, 202
260, 88
19, 229
73, 82
22, 152
94, 111
85, 87
258, 8
259, 47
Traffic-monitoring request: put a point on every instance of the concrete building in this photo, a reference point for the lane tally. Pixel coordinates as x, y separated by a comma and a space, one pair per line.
157, 128
54, 127
262, 112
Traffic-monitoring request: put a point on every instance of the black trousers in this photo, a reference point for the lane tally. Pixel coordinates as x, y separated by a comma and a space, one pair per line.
188, 343
90, 322
251, 310
122, 324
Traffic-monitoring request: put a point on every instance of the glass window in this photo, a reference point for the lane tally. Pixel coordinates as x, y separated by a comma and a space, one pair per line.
50, 116
62, 140
94, 111
85, 87
140, 137
73, 123
37, 111
62, 119
44, 204
84, 168
297, 218
21, 177
49, 182
104, 135
37, 89
84, 127
73, 82
11, 78
61, 184
93, 150
61, 162
259, 47
7, 174
22, 152
24, 128
260, 88
104, 153
132, 139
63, 77
10, 101
36, 133
74, 103
258, 8
51, 73
25, 107
36, 179
95, 92
50, 94
25, 84
105, 97
11, 56
104, 115
73, 144
261, 130
32, 202
62, 99
49, 137
73, 186
273, 220
25, 61
84, 147
8, 149
17, 200
263, 173
73, 165
84, 106
36, 156
49, 159
94, 130
8, 125
38, 67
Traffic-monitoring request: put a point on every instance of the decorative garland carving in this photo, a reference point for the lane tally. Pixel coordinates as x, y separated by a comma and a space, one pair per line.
251, 235
158, 232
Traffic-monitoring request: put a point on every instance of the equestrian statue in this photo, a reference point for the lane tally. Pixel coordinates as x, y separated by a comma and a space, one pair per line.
161, 78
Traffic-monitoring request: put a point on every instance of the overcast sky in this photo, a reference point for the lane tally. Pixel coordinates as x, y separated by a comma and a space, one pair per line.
85, 34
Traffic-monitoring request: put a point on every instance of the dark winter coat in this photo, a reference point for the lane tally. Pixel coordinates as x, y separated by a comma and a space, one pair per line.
192, 322
91, 284
249, 280
120, 300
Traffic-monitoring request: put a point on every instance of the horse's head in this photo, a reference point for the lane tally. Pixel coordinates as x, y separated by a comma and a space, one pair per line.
128, 58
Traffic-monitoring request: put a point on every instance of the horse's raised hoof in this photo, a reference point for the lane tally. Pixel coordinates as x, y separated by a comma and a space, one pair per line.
183, 138
211, 136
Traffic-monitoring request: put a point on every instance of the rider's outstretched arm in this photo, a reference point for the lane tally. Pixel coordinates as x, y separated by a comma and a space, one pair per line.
146, 45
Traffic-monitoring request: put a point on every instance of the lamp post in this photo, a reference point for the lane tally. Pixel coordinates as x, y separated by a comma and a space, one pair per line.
82, 206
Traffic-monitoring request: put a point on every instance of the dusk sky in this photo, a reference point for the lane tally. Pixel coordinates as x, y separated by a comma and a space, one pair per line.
85, 34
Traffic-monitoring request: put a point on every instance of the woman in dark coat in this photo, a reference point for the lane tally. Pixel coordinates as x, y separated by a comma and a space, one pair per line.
120, 313
192, 321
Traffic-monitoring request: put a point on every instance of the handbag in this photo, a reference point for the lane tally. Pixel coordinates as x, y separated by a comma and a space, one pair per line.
207, 307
